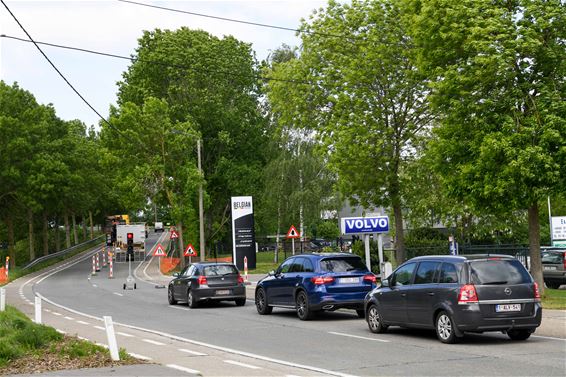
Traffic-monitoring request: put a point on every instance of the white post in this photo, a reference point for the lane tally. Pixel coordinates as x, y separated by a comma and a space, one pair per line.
37, 309
366, 241
246, 269
380, 251
2, 299
549, 223
112, 345
293, 245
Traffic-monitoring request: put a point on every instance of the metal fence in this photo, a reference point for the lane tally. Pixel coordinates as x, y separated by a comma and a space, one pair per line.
62, 252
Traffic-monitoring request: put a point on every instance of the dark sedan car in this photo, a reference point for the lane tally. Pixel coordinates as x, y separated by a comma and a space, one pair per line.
207, 281
554, 267
457, 294
310, 283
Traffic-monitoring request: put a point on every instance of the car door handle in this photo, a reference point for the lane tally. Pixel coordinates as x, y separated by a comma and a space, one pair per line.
430, 293
403, 294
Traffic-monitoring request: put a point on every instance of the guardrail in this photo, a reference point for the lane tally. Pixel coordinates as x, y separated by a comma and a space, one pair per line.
62, 252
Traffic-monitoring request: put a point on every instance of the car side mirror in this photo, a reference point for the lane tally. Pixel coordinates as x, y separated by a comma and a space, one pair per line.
176, 274
384, 283
271, 273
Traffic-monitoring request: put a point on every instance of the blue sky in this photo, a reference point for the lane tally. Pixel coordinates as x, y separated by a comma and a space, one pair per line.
113, 27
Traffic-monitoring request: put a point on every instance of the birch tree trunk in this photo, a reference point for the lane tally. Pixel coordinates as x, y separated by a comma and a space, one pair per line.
30, 235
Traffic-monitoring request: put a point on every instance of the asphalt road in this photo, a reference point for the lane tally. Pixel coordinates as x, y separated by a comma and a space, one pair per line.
222, 339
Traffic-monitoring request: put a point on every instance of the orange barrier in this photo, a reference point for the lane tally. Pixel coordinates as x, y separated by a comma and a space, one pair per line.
169, 264
223, 259
3, 277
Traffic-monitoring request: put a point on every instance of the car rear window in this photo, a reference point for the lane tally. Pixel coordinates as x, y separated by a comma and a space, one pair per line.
499, 271
342, 264
220, 270
552, 257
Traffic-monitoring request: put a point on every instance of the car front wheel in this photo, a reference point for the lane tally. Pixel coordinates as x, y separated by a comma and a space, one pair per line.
445, 330
261, 302
374, 320
519, 334
171, 296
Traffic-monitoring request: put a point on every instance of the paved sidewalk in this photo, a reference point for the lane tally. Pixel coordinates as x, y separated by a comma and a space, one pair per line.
142, 370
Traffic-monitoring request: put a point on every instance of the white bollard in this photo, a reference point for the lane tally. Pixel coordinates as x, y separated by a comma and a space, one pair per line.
246, 269
37, 309
2, 299
112, 345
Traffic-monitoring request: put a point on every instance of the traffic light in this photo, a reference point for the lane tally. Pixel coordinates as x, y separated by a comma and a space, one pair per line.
130, 243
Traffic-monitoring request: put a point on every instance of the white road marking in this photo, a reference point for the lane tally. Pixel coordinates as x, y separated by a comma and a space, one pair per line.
58, 314
60, 331
100, 328
548, 337
118, 294
138, 356
193, 352
95, 286
47, 310
83, 323
124, 334
153, 342
83, 338
359, 337
183, 369
178, 308
241, 364
69, 318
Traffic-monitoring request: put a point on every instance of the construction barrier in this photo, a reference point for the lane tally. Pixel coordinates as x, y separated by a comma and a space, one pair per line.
97, 262
110, 267
93, 265
169, 264
3, 275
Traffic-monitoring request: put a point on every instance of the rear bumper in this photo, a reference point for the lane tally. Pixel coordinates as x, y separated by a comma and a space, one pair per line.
211, 293
327, 301
471, 319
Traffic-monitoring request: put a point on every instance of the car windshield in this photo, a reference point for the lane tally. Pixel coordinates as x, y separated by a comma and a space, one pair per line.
220, 270
342, 264
552, 257
495, 271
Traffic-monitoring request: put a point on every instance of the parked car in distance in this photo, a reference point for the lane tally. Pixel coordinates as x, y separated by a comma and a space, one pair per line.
310, 283
457, 294
207, 281
554, 267
158, 227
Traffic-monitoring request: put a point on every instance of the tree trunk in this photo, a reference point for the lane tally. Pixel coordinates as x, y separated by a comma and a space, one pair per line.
400, 252
30, 235
75, 233
67, 230
181, 244
534, 247
84, 225
57, 235
11, 243
45, 234
91, 225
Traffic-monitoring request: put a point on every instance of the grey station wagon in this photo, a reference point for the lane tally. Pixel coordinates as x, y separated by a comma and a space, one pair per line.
457, 294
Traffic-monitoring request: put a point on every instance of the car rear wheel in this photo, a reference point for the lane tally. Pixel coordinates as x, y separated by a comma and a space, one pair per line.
361, 313
171, 296
240, 301
445, 328
191, 302
519, 334
552, 285
374, 321
261, 302
304, 312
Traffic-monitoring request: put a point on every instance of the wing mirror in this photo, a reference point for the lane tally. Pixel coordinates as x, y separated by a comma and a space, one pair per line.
271, 273
176, 274
385, 283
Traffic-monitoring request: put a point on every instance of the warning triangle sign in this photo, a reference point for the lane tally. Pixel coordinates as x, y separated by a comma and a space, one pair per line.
174, 234
159, 252
190, 251
293, 233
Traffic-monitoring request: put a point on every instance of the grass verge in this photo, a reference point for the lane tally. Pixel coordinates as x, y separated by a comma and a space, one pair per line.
26, 347
554, 299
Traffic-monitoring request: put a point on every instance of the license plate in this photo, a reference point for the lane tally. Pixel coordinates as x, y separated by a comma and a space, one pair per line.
223, 292
549, 268
348, 280
508, 308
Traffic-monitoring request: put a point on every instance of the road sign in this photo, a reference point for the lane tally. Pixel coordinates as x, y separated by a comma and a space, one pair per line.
190, 251
360, 225
293, 233
159, 252
174, 234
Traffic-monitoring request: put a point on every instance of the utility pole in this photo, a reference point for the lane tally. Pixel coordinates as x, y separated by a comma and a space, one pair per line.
200, 205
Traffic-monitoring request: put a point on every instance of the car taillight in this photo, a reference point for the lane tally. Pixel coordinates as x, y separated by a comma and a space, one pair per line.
467, 294
240, 279
202, 280
370, 278
320, 280
537, 292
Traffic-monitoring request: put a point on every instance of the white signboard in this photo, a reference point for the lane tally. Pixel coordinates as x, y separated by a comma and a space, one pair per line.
559, 228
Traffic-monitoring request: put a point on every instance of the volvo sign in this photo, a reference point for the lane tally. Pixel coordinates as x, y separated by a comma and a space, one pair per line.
360, 225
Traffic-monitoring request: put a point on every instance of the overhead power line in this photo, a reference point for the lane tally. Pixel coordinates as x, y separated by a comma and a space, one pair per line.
156, 62
235, 20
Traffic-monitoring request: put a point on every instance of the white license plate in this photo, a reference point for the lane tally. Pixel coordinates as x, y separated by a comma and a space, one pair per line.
508, 308
223, 292
348, 280
550, 268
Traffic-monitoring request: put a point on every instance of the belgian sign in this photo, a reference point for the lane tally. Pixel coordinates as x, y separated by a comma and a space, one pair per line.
190, 251
159, 252
360, 225
174, 234
243, 235
293, 233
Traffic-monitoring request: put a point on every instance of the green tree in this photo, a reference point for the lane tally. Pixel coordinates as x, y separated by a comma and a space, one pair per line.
499, 71
365, 99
